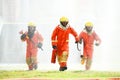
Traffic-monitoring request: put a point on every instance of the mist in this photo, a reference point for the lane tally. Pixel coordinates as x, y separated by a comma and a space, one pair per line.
105, 15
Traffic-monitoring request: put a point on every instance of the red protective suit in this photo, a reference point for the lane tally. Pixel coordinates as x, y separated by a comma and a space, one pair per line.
60, 38
32, 49
88, 42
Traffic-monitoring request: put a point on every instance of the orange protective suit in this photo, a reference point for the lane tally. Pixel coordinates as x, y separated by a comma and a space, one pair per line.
88, 42
60, 38
32, 49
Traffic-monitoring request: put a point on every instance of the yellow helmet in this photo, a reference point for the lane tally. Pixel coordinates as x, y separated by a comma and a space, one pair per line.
89, 24
31, 24
62, 19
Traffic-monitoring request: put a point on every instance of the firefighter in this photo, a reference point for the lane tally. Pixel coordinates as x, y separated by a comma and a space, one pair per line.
88, 36
60, 41
33, 39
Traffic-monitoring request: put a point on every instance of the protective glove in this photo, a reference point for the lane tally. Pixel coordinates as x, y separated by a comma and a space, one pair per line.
81, 56
54, 47
39, 45
23, 36
97, 43
76, 42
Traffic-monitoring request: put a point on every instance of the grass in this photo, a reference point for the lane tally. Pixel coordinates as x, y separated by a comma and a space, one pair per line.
57, 74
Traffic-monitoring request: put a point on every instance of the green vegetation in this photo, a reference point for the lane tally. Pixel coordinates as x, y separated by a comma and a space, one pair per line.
57, 74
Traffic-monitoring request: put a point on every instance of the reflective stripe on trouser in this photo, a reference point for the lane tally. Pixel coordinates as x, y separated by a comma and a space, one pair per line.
30, 61
88, 63
62, 59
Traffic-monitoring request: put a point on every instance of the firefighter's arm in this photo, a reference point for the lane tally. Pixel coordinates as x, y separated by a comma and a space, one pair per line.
98, 40
40, 40
80, 41
23, 35
40, 37
74, 33
80, 37
53, 39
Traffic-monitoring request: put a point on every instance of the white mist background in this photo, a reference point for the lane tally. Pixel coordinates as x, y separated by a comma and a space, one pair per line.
105, 15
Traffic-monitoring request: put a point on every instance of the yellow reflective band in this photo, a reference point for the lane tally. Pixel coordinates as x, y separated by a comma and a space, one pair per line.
67, 40
54, 40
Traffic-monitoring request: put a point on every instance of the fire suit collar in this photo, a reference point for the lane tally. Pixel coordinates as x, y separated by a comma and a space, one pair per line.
61, 26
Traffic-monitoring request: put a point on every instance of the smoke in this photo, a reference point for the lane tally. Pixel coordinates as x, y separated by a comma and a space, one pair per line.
105, 15
1, 24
